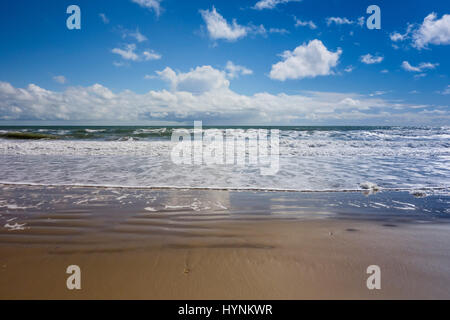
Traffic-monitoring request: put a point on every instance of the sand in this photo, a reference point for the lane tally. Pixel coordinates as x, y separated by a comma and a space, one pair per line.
128, 251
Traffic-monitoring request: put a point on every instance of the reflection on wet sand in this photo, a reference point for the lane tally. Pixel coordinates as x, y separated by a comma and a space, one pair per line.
199, 244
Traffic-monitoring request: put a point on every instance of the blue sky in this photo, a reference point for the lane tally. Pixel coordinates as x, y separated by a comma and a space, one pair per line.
225, 62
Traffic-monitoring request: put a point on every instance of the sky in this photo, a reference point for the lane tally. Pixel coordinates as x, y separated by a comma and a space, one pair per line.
254, 62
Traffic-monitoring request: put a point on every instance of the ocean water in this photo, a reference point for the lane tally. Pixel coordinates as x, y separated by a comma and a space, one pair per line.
311, 158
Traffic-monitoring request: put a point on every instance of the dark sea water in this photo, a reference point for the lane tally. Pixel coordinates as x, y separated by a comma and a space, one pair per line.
111, 133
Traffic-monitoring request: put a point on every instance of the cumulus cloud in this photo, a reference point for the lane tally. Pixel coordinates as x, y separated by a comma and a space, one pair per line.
216, 102
300, 23
270, 4
219, 28
432, 31
307, 60
104, 18
197, 81
60, 79
129, 53
234, 71
202, 79
154, 5
370, 59
338, 21
421, 67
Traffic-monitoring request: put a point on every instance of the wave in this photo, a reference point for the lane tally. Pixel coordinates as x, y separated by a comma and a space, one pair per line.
164, 133
312, 160
27, 136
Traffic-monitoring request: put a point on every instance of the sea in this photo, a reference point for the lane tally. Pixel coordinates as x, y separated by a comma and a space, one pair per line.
311, 158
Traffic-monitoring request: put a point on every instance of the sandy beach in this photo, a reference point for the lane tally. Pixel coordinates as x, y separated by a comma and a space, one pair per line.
138, 244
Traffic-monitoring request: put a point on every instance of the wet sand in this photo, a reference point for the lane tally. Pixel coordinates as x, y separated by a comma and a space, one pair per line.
217, 245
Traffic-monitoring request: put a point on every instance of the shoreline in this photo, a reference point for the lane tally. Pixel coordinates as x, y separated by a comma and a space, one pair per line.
251, 189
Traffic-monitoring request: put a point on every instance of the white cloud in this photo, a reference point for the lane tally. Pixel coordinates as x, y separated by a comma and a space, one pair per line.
277, 30
60, 79
349, 68
270, 4
256, 29
308, 60
218, 102
395, 36
197, 81
432, 31
384, 71
129, 53
339, 21
300, 23
219, 28
202, 79
138, 36
369, 59
234, 71
447, 90
150, 55
421, 67
154, 5
104, 18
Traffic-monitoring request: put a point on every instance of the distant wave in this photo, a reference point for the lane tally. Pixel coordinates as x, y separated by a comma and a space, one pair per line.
119, 133
27, 136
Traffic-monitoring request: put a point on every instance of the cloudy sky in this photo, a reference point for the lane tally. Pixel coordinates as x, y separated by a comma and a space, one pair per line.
279, 62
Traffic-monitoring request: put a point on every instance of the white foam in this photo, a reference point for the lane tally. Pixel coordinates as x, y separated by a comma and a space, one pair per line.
15, 227
309, 161
14, 207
